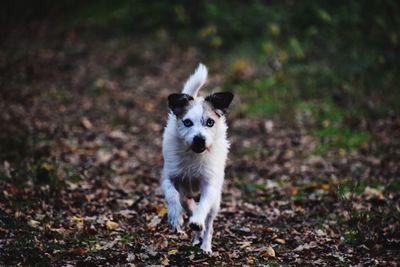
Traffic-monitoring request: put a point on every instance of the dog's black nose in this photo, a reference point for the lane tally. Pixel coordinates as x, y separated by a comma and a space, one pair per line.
199, 144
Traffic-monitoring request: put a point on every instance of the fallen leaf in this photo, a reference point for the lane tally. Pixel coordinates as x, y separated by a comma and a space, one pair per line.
269, 252
100, 82
319, 232
61, 230
34, 223
118, 134
244, 244
172, 252
110, 225
78, 221
86, 123
154, 222
148, 106
131, 257
269, 126
370, 193
325, 187
164, 261
280, 241
80, 250
103, 156
12, 190
162, 211
125, 202
305, 246
250, 259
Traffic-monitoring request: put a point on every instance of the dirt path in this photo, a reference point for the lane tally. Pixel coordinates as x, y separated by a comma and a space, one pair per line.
81, 133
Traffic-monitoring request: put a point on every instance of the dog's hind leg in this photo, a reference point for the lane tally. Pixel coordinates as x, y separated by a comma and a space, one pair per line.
175, 209
189, 204
198, 238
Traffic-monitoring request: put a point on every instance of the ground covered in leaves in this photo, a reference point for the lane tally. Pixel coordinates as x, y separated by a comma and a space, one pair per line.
81, 124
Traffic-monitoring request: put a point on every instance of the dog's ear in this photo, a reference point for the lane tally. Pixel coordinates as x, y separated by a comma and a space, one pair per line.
220, 101
178, 102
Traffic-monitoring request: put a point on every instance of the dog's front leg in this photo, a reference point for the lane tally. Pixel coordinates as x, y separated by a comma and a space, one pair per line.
175, 208
209, 196
208, 233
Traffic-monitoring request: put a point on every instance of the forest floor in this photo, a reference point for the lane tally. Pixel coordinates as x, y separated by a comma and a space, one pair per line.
81, 125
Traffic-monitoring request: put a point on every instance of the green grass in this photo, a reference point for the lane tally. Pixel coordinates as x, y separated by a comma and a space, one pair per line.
250, 186
265, 96
92, 242
332, 138
128, 238
276, 96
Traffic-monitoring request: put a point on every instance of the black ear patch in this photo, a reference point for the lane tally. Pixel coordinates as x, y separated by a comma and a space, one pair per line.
178, 102
220, 101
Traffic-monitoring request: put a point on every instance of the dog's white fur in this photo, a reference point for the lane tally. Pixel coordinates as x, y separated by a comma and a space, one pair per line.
186, 173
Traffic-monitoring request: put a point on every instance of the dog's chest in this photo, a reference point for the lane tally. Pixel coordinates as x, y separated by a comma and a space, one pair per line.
187, 185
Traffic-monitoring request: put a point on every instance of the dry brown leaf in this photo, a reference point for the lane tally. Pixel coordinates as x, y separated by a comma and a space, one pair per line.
103, 156
118, 135
110, 225
164, 262
280, 241
250, 259
11, 190
325, 187
80, 250
269, 252
305, 246
244, 244
161, 211
34, 223
153, 223
86, 123
148, 106
370, 192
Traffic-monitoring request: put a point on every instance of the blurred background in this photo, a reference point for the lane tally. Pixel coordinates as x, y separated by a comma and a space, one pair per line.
335, 64
316, 118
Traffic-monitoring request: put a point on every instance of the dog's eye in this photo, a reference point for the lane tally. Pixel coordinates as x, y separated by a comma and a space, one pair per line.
187, 123
210, 122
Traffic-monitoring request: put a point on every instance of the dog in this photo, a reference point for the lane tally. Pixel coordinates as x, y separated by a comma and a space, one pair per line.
195, 148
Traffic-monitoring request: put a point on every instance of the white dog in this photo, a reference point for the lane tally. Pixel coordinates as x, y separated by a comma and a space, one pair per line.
195, 149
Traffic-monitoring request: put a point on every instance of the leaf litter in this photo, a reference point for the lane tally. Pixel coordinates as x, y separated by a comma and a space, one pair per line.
85, 190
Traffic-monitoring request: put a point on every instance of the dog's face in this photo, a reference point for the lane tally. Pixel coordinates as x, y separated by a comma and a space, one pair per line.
199, 120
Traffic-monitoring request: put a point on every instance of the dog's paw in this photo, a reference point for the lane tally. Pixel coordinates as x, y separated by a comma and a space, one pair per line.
175, 218
176, 223
195, 224
206, 248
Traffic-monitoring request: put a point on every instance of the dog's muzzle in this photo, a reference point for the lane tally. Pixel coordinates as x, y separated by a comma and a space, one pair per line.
199, 144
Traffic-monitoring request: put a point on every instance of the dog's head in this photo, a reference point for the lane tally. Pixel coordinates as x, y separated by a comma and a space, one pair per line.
200, 120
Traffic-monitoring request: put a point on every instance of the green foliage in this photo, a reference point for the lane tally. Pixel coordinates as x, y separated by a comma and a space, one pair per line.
266, 95
349, 187
339, 138
250, 186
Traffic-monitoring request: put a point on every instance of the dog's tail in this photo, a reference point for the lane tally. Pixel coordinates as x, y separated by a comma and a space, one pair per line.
196, 81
